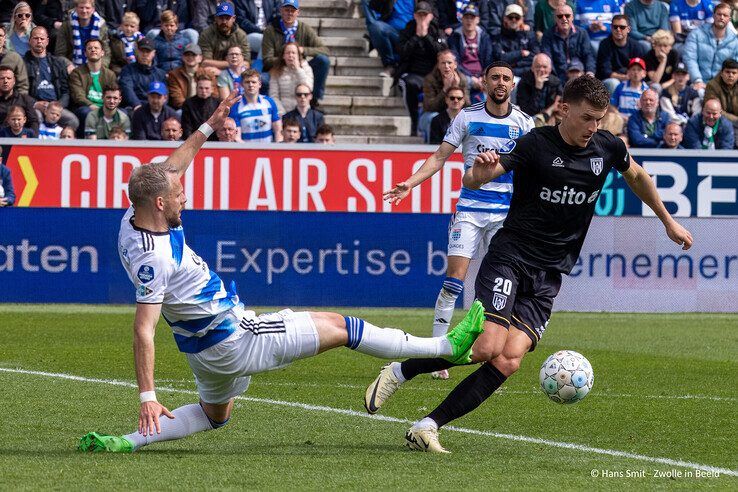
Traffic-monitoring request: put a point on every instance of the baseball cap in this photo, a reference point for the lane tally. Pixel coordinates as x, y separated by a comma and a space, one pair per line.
575, 65
225, 8
290, 3
514, 8
471, 9
681, 67
157, 87
423, 7
145, 44
193, 48
637, 61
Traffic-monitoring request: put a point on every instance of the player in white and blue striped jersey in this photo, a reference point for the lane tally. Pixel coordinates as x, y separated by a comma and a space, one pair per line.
224, 343
485, 126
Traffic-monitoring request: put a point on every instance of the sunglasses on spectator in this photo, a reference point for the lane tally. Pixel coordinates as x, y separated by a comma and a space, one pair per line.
561, 16
514, 17
456, 98
617, 26
23, 15
302, 94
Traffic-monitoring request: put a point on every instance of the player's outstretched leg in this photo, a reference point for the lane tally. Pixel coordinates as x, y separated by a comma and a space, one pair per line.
390, 378
187, 420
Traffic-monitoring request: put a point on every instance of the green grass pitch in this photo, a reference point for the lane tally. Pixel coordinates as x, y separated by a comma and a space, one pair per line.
664, 402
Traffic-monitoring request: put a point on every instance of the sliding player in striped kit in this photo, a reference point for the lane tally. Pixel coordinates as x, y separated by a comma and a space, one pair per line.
224, 343
482, 127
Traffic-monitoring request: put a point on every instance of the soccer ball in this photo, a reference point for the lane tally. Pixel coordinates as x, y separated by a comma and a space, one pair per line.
566, 376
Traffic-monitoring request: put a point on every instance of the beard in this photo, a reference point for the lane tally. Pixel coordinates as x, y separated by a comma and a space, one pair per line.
499, 100
173, 219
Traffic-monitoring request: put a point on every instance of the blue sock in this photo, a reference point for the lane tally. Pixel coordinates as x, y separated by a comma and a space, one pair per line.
355, 329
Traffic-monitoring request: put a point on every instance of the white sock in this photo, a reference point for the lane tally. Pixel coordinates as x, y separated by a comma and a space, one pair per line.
445, 304
397, 371
391, 343
189, 419
426, 423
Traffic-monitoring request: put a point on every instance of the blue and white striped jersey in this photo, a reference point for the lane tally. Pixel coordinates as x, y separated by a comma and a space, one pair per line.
476, 131
255, 120
164, 270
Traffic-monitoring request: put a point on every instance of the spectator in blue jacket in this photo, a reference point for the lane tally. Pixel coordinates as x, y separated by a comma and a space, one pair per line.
472, 48
708, 46
136, 77
646, 126
516, 45
7, 192
709, 130
564, 44
253, 19
170, 43
615, 53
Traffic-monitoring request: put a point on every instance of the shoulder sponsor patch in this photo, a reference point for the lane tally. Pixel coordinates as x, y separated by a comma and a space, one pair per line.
145, 274
507, 147
143, 291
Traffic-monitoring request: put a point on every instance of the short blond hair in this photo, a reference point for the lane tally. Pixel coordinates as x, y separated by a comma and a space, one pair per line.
148, 182
131, 17
662, 37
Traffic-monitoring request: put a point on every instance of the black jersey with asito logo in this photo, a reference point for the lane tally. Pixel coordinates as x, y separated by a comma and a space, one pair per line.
555, 189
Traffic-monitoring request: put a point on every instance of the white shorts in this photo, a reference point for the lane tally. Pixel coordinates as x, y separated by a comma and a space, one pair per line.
261, 343
471, 232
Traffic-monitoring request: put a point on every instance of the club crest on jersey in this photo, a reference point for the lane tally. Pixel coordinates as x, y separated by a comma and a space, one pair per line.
507, 147
513, 131
499, 301
143, 291
596, 163
456, 234
145, 274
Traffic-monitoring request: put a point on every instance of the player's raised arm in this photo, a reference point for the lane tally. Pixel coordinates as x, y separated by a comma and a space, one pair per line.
486, 167
147, 315
642, 185
183, 155
431, 166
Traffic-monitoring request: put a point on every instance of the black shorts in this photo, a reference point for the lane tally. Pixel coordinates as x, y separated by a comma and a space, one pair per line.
517, 294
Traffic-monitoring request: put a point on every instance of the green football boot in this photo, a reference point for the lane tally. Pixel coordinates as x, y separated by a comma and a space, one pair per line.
464, 334
99, 443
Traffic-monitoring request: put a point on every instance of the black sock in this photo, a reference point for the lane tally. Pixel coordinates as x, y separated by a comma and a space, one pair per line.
412, 367
468, 394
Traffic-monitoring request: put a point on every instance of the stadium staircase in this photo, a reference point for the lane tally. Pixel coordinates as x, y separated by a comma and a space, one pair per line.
361, 106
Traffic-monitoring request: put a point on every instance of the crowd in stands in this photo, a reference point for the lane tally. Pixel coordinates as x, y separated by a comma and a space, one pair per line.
156, 69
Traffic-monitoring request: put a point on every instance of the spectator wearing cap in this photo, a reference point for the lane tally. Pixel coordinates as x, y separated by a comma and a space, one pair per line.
198, 108
646, 17
217, 38
182, 81
446, 74
686, 16
493, 19
420, 43
228, 132
680, 100
673, 136
472, 49
230, 78
709, 130
565, 44
291, 70
384, 21
628, 93
646, 126
171, 130
539, 90
724, 89
253, 16
257, 116
661, 60
123, 43
455, 100
7, 191
288, 29
87, 81
574, 70
708, 46
83, 24
169, 43
616, 51
147, 120
135, 78
595, 17
544, 17
310, 119
516, 45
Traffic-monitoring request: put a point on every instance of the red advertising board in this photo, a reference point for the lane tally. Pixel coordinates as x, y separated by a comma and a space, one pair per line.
301, 178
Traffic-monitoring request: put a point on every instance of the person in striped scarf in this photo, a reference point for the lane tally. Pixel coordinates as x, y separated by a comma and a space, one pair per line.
123, 44
83, 23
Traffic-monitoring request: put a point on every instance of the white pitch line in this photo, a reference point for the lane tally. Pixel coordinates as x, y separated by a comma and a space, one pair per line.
384, 418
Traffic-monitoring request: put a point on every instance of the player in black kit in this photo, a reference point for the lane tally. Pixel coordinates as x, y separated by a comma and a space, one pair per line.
558, 175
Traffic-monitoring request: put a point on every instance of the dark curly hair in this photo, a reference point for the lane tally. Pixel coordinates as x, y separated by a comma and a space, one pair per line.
586, 88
